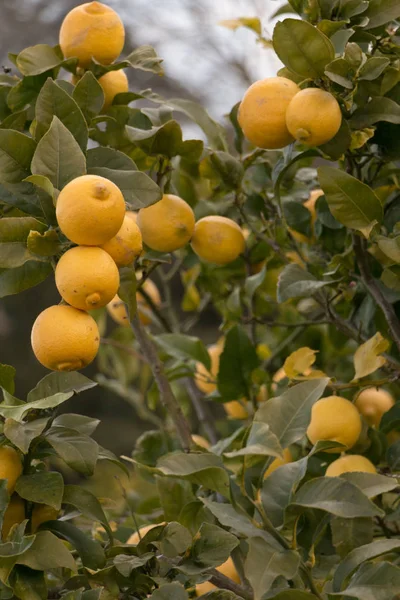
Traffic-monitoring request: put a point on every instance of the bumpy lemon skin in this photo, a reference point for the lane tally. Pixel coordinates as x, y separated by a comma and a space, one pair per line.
262, 112
14, 515
117, 310
206, 380
334, 419
166, 225
92, 30
90, 210
42, 513
135, 537
279, 462
313, 117
348, 464
64, 338
87, 277
373, 403
218, 240
113, 83
127, 244
228, 569
10, 466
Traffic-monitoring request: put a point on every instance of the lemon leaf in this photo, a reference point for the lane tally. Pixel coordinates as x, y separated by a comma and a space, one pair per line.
367, 359
299, 362
252, 23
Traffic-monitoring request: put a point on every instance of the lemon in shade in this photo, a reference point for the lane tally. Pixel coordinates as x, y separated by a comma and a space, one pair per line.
10, 466
334, 419
166, 225
373, 403
262, 112
13, 515
117, 309
313, 117
138, 535
64, 338
113, 83
199, 440
206, 380
90, 210
350, 463
87, 277
42, 513
279, 462
218, 240
92, 30
126, 245
300, 237
228, 569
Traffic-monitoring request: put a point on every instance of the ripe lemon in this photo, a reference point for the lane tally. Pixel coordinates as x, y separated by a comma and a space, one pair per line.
218, 240
65, 338
313, 117
14, 514
236, 410
113, 83
10, 466
228, 569
42, 513
300, 237
166, 225
205, 380
278, 462
262, 112
87, 277
92, 30
117, 309
373, 403
336, 419
90, 210
199, 440
135, 537
349, 464
126, 244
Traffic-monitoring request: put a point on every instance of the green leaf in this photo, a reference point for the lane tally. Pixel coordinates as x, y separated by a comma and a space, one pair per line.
380, 12
298, 217
174, 495
213, 545
14, 281
89, 96
294, 595
252, 284
47, 552
264, 565
184, 347
371, 484
204, 469
391, 278
127, 289
16, 152
60, 383
7, 376
145, 58
295, 282
90, 551
170, 591
58, 156
238, 360
302, 48
348, 534
53, 101
374, 582
87, 504
125, 564
340, 72
22, 434
352, 203
373, 68
44, 244
335, 496
165, 139
39, 59
378, 109
260, 442
80, 423
17, 229
175, 539
14, 254
285, 164
28, 584
229, 168
46, 487
78, 451
279, 487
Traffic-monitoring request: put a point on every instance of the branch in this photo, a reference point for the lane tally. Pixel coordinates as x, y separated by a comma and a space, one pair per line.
121, 346
166, 394
202, 411
375, 291
225, 583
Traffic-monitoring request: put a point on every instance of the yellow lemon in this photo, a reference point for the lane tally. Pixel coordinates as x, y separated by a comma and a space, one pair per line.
373, 403
138, 535
278, 462
313, 117
126, 245
166, 225
228, 569
335, 419
218, 240
348, 464
10, 466
236, 410
113, 83
14, 515
87, 277
262, 112
42, 513
199, 440
92, 30
205, 380
300, 237
65, 338
90, 210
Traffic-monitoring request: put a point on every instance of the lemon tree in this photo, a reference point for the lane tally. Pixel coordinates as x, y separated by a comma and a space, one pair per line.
241, 290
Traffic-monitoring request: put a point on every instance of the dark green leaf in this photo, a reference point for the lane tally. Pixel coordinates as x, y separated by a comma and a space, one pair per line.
86, 503
379, 581
378, 109
170, 591
47, 552
16, 152
298, 217
38, 59
145, 58
86, 425
14, 281
348, 534
90, 551
89, 96
127, 289
22, 434
184, 347
45, 487
125, 564
28, 584
238, 360
58, 382
213, 545
381, 12
174, 494
373, 68
7, 376
278, 489
371, 484
78, 451
295, 282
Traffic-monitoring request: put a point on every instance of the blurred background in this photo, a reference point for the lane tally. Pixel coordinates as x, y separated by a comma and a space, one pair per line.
203, 61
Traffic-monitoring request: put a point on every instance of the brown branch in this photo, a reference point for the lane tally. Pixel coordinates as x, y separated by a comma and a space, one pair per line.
225, 583
167, 397
202, 412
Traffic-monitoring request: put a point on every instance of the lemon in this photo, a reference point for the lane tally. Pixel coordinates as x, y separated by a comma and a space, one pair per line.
199, 440
42, 513
262, 112
10, 466
313, 117
205, 380
300, 237
113, 83
65, 338
92, 30
373, 403
90, 210
117, 309
335, 419
126, 245
218, 240
135, 537
228, 569
14, 515
166, 225
87, 277
279, 462
348, 464
236, 410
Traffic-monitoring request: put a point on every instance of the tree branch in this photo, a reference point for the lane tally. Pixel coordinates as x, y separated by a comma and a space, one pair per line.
166, 394
225, 583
